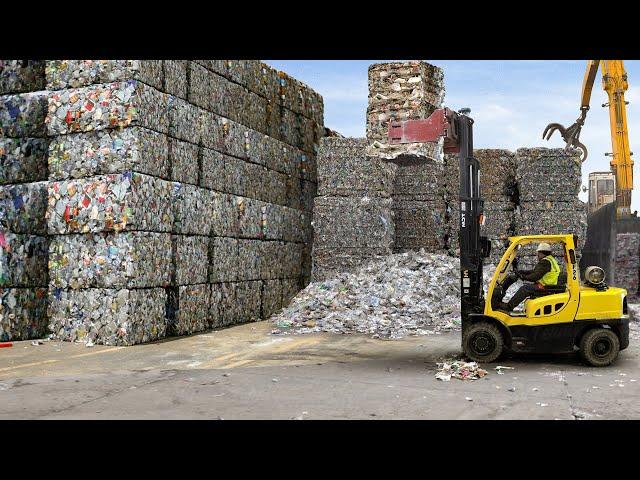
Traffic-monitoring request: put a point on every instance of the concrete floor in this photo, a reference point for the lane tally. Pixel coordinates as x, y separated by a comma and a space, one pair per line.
245, 373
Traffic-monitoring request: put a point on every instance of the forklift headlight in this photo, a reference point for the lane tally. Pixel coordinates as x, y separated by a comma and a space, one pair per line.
594, 276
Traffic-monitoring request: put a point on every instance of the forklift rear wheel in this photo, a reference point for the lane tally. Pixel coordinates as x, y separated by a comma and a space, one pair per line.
599, 347
483, 342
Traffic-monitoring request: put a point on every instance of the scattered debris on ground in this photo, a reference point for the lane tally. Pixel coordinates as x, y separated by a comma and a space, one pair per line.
460, 370
500, 369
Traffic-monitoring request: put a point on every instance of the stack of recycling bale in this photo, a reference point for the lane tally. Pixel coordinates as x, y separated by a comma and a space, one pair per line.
548, 185
180, 195
409, 91
353, 217
497, 188
23, 200
626, 271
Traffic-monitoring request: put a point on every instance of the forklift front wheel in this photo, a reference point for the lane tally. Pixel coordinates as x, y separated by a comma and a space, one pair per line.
483, 342
599, 347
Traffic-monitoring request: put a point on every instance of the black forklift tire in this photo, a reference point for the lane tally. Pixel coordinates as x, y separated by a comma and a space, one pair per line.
599, 347
483, 342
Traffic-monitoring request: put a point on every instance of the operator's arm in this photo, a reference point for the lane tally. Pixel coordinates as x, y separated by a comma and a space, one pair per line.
543, 267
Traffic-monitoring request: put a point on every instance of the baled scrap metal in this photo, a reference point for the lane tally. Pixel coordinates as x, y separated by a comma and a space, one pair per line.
329, 262
397, 295
296, 194
183, 158
108, 316
82, 155
190, 259
353, 222
309, 192
23, 260
208, 90
235, 302
345, 170
290, 287
235, 216
188, 309
551, 217
176, 75
289, 260
271, 297
190, 123
23, 313
19, 76
110, 260
545, 174
499, 219
397, 92
192, 209
63, 74
223, 259
419, 224
283, 223
213, 170
23, 160
107, 105
23, 207
497, 171
248, 260
248, 299
627, 263
419, 182
127, 201
23, 114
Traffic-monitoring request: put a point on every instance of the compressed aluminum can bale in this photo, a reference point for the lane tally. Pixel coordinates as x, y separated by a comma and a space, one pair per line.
272, 187
176, 75
110, 260
271, 297
248, 266
19, 76
127, 201
291, 260
107, 105
23, 160
548, 218
545, 174
397, 92
244, 178
23, 260
290, 288
223, 259
23, 313
309, 192
419, 183
190, 259
499, 219
290, 128
186, 121
260, 147
63, 74
223, 304
108, 316
419, 224
244, 72
82, 155
235, 302
188, 309
248, 299
345, 170
23, 114
209, 91
234, 138
23, 207
269, 259
218, 66
213, 174
193, 208
184, 161
626, 272
295, 193
283, 223
235, 216
353, 222
497, 173
327, 262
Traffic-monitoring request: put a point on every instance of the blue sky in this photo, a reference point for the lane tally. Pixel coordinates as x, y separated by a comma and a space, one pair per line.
511, 101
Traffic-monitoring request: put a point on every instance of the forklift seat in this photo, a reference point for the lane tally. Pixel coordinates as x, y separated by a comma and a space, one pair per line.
561, 287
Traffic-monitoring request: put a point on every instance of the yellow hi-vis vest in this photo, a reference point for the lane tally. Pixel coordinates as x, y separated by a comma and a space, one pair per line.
551, 277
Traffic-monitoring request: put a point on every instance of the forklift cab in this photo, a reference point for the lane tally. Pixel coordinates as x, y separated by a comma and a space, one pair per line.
553, 304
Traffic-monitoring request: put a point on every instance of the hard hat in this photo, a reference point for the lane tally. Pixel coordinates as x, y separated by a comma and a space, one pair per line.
544, 247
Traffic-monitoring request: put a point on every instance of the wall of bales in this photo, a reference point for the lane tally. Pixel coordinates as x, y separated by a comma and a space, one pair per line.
177, 194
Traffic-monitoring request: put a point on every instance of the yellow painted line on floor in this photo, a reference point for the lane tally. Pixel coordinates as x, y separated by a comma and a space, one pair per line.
56, 360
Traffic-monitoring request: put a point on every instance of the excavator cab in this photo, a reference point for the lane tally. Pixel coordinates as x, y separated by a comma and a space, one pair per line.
589, 316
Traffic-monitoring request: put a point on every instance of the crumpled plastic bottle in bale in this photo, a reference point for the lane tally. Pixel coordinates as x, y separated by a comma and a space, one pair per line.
23, 260
627, 263
109, 151
23, 313
108, 316
188, 309
108, 105
23, 114
23, 160
19, 76
110, 260
64, 74
397, 92
23, 207
345, 170
127, 201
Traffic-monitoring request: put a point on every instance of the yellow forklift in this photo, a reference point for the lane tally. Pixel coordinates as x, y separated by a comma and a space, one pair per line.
590, 317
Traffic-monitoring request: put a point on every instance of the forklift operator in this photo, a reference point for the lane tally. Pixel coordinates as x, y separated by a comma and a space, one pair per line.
544, 274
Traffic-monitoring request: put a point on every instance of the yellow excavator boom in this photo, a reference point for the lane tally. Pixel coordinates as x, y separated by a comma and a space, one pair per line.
614, 82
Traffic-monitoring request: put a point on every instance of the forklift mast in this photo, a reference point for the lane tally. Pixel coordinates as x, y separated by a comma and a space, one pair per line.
457, 131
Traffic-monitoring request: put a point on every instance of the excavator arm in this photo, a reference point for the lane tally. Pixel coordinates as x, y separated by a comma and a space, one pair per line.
614, 82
